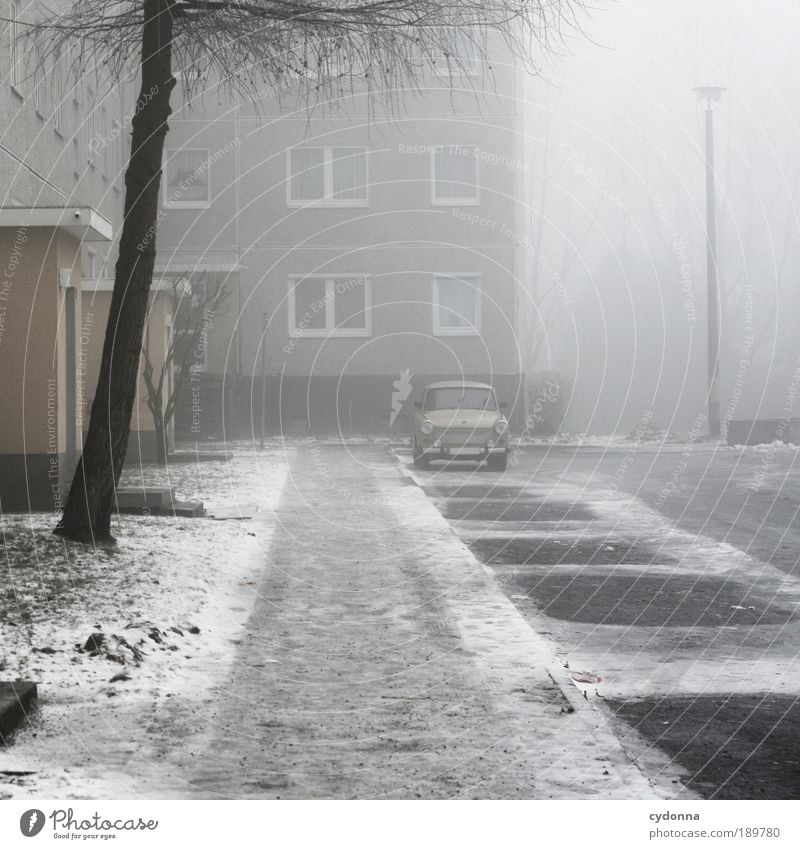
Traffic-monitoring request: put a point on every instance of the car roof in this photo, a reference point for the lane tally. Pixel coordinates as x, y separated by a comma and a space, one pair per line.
457, 384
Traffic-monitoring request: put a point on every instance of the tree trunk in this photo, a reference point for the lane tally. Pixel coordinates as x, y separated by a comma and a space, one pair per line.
160, 428
87, 515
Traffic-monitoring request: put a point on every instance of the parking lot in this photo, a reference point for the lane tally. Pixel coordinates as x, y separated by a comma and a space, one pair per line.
685, 607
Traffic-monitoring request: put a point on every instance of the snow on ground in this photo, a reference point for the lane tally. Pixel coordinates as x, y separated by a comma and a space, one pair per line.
767, 447
166, 599
573, 747
649, 438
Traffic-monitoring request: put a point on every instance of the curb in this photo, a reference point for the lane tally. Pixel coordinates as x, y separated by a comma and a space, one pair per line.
16, 703
401, 467
559, 675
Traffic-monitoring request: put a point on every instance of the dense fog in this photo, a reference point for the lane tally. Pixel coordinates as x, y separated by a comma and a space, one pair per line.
618, 207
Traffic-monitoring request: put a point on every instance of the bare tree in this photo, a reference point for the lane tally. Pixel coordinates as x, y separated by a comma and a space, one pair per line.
193, 305
249, 44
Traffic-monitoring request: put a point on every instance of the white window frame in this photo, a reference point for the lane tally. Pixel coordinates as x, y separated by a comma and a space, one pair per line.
106, 142
330, 329
14, 76
57, 89
120, 146
91, 263
198, 364
327, 199
185, 204
466, 276
91, 128
39, 79
466, 201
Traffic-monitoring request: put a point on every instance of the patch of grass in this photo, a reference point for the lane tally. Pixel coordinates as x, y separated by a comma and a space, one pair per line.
42, 574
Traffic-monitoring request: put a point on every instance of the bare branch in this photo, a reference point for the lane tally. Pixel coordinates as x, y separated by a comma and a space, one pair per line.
373, 45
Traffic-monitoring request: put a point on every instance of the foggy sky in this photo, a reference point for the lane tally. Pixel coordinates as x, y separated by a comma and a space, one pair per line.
617, 138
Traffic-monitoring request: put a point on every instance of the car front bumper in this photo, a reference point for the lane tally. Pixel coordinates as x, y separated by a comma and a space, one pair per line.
471, 449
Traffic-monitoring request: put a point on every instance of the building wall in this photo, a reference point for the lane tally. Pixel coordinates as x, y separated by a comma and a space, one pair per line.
399, 237
75, 159
348, 405
33, 449
61, 147
96, 303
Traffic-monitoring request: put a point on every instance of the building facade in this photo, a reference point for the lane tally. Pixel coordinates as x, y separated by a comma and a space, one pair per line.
63, 149
366, 254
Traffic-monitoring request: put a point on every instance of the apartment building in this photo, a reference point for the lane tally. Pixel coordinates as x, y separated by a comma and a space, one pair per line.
366, 253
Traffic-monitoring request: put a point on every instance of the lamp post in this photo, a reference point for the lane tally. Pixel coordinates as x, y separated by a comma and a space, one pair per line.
263, 379
711, 95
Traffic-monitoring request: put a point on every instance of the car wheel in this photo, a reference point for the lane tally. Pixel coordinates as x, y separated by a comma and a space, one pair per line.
499, 462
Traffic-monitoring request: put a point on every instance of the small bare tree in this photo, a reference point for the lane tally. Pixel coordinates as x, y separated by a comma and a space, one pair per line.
193, 305
248, 44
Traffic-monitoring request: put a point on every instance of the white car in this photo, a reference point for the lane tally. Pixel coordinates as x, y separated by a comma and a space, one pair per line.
460, 420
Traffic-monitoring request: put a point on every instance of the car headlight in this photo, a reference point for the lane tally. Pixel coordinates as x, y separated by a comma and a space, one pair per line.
500, 426
426, 427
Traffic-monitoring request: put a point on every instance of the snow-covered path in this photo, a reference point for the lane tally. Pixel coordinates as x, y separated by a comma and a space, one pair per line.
354, 648
383, 661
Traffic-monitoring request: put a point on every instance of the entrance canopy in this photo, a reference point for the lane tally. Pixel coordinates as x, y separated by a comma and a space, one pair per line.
82, 222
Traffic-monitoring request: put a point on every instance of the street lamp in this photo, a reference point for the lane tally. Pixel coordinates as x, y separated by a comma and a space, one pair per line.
263, 379
711, 94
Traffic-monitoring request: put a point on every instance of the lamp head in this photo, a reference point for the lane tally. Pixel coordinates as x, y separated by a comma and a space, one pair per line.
709, 93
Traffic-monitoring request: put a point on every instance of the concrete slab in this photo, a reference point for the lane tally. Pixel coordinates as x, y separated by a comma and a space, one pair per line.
137, 498
185, 510
199, 457
180, 509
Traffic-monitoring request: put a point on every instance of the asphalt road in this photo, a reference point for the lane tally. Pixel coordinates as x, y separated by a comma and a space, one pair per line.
672, 575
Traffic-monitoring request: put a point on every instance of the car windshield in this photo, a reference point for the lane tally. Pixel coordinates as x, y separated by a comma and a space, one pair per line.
460, 397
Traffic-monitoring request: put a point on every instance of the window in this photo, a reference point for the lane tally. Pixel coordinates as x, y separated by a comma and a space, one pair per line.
116, 152
38, 79
455, 175
120, 144
92, 142
57, 93
105, 141
327, 176
93, 264
89, 264
13, 35
464, 398
190, 350
186, 178
191, 325
456, 304
329, 305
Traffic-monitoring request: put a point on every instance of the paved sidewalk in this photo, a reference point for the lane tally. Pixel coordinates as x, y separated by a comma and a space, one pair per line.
383, 661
